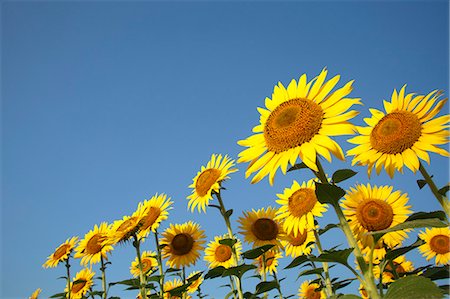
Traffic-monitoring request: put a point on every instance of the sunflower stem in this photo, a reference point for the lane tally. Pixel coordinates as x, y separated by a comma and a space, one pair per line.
264, 275
278, 284
328, 287
136, 244
103, 269
442, 199
68, 278
368, 281
184, 280
160, 265
223, 211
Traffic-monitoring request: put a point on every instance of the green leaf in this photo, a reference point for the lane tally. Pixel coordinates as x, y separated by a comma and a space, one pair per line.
443, 191
238, 270
266, 286
414, 287
298, 166
128, 282
419, 223
342, 175
337, 256
228, 213
421, 183
393, 254
96, 293
436, 273
215, 272
171, 270
231, 293
445, 289
195, 277
297, 261
327, 193
154, 278
256, 252
327, 228
214, 206
228, 242
342, 283
178, 291
311, 271
59, 295
427, 215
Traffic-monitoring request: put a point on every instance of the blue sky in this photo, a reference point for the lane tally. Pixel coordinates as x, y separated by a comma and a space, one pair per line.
105, 104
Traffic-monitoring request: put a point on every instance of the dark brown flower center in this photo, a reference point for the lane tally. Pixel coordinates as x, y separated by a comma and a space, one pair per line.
302, 201
374, 214
311, 293
150, 218
265, 229
94, 245
78, 286
61, 251
181, 244
398, 269
205, 181
146, 265
222, 253
291, 124
396, 132
440, 244
299, 240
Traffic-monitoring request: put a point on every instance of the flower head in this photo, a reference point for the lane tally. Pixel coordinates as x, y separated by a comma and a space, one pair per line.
148, 262
82, 282
154, 211
217, 254
61, 253
95, 245
310, 290
437, 244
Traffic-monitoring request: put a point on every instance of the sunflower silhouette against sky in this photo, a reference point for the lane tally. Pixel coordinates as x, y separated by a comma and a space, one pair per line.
61, 253
297, 123
405, 133
437, 244
95, 245
208, 180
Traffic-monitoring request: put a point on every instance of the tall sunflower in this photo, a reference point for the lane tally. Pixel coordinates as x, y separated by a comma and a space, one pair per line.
372, 208
299, 206
94, 245
260, 227
310, 290
272, 257
297, 123
148, 261
122, 230
61, 253
183, 244
437, 244
402, 135
298, 244
155, 210
35, 294
82, 282
209, 180
401, 267
217, 254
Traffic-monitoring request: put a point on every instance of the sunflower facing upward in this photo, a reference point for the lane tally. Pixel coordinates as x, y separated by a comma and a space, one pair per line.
94, 245
82, 282
437, 244
61, 253
148, 262
209, 180
154, 210
299, 206
122, 230
220, 254
309, 290
260, 227
404, 134
298, 123
370, 209
183, 244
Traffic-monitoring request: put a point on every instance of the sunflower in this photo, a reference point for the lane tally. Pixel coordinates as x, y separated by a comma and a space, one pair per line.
401, 266
122, 230
299, 206
217, 254
170, 285
370, 209
94, 245
61, 253
183, 244
363, 292
437, 244
82, 282
209, 180
196, 283
298, 123
35, 294
404, 134
272, 258
154, 210
300, 244
148, 262
310, 290
379, 250
260, 227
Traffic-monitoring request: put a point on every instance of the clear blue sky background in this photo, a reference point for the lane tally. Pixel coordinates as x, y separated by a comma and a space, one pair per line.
106, 103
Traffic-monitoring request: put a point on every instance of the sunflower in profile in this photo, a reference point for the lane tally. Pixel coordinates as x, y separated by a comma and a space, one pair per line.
61, 253
208, 180
363, 292
402, 135
122, 230
379, 250
94, 245
309, 290
183, 244
82, 282
217, 254
35, 294
272, 258
260, 227
297, 123
155, 210
170, 285
299, 244
299, 206
437, 244
148, 262
401, 267
370, 209
196, 283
